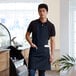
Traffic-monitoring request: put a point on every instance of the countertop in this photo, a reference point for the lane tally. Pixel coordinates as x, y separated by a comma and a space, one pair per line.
2, 50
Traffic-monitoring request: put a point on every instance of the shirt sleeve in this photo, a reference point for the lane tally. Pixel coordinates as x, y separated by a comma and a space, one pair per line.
52, 31
29, 29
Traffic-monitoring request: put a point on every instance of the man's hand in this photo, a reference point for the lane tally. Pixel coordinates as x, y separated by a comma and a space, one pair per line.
34, 46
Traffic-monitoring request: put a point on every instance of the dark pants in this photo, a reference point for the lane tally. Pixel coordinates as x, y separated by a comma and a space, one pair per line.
32, 72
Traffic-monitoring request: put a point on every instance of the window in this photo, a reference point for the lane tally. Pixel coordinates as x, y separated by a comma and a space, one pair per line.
74, 32
16, 17
72, 29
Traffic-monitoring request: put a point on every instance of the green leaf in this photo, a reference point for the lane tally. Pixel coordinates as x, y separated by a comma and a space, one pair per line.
65, 62
71, 58
65, 57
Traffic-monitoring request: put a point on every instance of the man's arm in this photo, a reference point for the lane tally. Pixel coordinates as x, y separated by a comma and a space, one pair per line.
28, 38
52, 45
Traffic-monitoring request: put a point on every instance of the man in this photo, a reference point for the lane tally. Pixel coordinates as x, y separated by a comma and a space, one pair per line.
42, 30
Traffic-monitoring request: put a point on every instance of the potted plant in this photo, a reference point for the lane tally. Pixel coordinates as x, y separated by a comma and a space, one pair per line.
66, 63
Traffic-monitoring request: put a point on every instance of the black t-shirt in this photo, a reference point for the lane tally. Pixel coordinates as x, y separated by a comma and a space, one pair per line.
33, 24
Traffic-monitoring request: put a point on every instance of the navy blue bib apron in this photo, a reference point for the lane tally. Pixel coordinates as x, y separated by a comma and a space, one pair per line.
39, 58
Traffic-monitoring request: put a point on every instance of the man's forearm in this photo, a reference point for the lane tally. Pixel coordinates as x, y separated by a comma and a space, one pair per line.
52, 45
28, 38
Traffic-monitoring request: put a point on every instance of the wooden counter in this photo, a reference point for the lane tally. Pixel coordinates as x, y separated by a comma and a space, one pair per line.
4, 62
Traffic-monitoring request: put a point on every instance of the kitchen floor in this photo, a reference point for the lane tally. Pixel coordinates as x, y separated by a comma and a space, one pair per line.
50, 73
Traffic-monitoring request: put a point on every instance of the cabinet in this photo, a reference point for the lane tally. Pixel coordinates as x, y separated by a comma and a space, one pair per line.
25, 53
4, 62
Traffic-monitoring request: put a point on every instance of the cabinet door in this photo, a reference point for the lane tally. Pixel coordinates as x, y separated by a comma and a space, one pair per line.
4, 73
4, 60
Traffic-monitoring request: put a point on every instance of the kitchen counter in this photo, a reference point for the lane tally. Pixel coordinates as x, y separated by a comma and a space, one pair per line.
1, 50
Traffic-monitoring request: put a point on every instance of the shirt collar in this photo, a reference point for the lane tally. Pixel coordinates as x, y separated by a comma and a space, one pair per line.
44, 22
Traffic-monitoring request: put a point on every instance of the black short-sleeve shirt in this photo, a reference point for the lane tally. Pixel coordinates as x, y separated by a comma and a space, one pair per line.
33, 24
